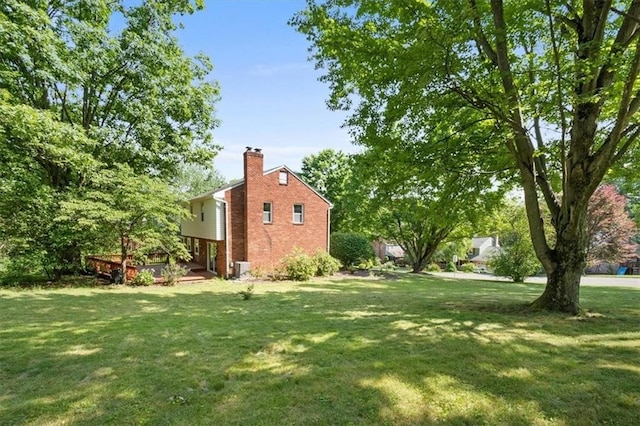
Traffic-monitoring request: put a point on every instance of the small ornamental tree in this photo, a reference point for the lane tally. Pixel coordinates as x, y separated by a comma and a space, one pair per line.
516, 261
609, 227
516, 258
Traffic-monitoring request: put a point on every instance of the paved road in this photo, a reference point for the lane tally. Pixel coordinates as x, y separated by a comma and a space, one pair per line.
591, 280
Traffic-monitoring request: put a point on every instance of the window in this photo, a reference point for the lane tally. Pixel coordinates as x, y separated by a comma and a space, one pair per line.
188, 244
283, 178
191, 208
298, 213
201, 212
196, 246
267, 213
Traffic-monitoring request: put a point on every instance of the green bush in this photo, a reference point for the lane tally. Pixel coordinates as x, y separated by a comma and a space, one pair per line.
326, 264
388, 266
467, 267
298, 266
351, 249
433, 267
144, 277
451, 267
516, 261
172, 272
366, 264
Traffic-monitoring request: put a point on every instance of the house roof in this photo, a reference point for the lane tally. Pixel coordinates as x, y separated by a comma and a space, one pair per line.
239, 182
478, 242
486, 255
394, 251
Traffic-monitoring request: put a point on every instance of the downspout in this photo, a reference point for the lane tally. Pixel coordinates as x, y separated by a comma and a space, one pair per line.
329, 227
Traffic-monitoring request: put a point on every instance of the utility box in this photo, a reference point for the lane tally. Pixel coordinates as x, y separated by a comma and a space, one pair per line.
240, 269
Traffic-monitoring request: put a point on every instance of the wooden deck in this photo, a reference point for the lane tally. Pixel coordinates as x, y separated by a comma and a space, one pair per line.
196, 272
105, 265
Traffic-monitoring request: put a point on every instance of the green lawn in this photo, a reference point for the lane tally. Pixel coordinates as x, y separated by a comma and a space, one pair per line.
413, 350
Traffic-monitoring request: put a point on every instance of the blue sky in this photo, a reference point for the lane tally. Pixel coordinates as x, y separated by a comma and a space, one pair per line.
271, 98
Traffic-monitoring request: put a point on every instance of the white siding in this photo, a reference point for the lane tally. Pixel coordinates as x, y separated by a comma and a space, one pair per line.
220, 221
212, 228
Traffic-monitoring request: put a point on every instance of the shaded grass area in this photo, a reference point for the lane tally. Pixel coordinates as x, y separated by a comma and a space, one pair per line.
409, 350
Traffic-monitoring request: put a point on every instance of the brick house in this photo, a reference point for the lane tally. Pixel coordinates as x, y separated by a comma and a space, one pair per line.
258, 219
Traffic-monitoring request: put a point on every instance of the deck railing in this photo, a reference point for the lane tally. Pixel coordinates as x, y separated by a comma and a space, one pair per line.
105, 265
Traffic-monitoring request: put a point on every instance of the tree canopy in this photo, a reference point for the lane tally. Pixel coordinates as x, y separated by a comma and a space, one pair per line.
609, 227
555, 81
330, 173
87, 87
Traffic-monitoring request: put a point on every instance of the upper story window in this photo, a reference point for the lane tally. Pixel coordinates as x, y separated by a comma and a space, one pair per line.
298, 213
267, 213
201, 212
283, 178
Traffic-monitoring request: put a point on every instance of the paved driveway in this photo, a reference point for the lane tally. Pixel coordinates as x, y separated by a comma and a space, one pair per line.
590, 280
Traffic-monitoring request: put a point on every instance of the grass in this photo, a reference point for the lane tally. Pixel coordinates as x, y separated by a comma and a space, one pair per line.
412, 350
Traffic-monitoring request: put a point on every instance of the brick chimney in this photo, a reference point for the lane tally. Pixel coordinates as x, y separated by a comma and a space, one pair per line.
253, 163
253, 173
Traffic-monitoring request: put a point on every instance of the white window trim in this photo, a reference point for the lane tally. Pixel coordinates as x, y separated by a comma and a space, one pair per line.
188, 240
283, 178
196, 246
301, 214
269, 212
201, 212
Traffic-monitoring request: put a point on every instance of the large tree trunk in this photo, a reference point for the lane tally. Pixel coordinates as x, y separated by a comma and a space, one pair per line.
562, 293
567, 262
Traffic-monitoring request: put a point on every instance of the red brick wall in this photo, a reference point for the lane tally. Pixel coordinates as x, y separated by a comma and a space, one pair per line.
268, 243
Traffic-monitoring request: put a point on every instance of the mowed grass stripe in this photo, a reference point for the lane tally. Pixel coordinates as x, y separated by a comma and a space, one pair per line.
409, 349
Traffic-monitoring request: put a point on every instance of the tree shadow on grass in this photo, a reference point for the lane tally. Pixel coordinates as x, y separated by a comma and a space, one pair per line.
365, 352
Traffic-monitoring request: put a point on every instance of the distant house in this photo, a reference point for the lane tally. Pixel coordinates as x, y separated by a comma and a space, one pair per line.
482, 249
388, 251
258, 219
630, 266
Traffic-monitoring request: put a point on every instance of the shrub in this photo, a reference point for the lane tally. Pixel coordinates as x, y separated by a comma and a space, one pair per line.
172, 273
144, 277
516, 261
433, 267
298, 266
467, 267
451, 267
366, 264
388, 266
351, 249
326, 264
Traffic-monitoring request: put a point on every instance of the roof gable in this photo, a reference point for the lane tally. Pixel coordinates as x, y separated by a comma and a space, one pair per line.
219, 192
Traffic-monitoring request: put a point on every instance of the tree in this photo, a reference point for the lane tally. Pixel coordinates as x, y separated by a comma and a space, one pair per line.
194, 179
454, 245
400, 200
37, 150
610, 230
113, 77
556, 80
516, 258
140, 211
329, 172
